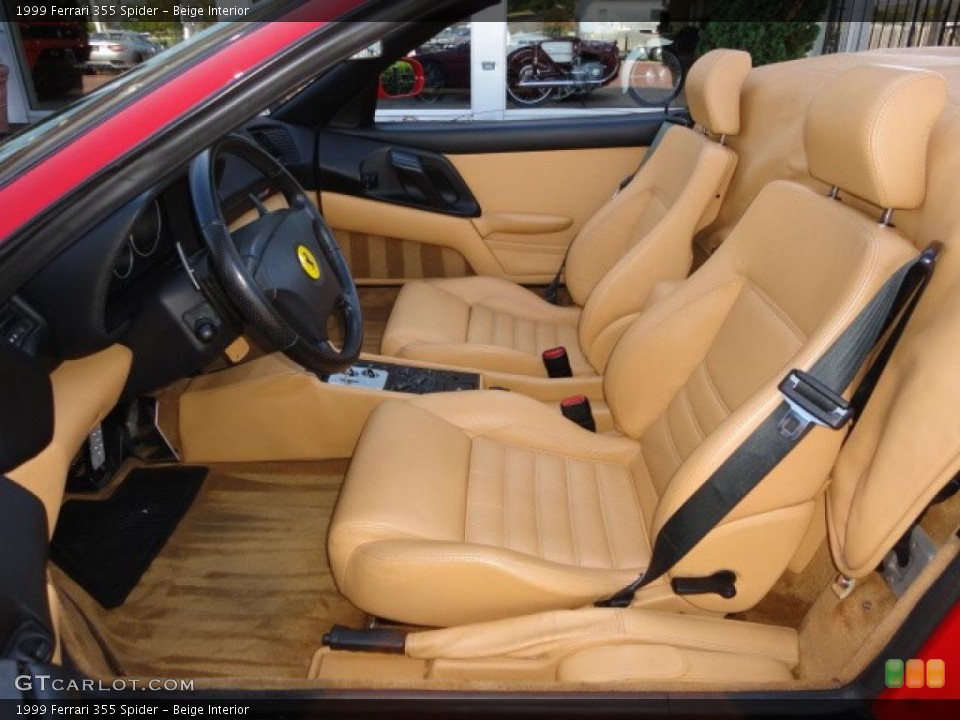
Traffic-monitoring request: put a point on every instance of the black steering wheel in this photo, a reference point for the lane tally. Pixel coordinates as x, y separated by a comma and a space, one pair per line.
284, 272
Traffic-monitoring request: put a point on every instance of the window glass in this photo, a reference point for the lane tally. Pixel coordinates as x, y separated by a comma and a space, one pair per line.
61, 60
435, 75
570, 54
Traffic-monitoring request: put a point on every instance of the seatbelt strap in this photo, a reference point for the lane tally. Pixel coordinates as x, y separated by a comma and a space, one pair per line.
668, 122
810, 399
915, 284
550, 294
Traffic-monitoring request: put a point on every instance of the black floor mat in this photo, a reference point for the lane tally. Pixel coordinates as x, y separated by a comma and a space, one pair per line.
107, 545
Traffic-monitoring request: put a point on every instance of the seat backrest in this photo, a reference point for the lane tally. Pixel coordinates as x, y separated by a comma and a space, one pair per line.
644, 234
698, 372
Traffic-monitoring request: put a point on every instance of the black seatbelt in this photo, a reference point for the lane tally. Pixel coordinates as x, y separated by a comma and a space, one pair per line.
810, 399
550, 294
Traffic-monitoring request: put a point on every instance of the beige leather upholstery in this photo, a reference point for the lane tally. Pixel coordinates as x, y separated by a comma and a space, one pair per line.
479, 506
483, 495
618, 649
904, 448
84, 392
858, 114
605, 646
481, 322
713, 87
639, 238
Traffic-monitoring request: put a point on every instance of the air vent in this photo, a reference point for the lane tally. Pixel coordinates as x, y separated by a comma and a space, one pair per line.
277, 142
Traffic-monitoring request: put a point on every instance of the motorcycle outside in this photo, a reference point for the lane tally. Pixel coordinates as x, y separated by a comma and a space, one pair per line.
558, 68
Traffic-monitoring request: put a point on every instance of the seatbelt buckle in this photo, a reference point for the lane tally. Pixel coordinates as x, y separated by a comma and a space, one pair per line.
577, 409
557, 362
811, 403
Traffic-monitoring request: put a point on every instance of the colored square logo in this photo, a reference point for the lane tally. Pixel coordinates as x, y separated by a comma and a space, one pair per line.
936, 673
916, 673
893, 673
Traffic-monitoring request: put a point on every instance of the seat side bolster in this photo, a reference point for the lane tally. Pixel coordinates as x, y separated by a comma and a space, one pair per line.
515, 419
424, 312
405, 454
665, 252
473, 574
682, 327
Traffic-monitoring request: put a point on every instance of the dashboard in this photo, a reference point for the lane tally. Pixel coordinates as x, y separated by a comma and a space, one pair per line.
140, 277
126, 281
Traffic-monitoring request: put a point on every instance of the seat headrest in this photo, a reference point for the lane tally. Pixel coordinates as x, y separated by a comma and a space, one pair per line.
713, 90
867, 133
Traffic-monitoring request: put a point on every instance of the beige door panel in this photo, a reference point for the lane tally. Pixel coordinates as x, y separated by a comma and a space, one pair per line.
529, 218
380, 260
364, 221
535, 203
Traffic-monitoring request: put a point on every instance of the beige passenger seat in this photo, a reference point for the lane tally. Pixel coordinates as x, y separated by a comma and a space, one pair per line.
643, 236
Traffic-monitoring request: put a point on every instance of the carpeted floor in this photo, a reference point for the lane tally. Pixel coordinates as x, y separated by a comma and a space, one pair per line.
377, 302
242, 588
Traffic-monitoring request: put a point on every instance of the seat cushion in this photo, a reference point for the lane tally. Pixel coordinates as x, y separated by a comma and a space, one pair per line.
483, 323
516, 510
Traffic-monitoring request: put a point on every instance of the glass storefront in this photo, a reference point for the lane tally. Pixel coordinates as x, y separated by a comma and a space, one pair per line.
548, 57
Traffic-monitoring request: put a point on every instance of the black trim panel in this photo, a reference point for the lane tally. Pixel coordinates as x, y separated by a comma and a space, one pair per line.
25, 627
393, 173
466, 138
26, 412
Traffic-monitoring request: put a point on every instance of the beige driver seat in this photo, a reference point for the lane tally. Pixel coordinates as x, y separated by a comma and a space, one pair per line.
466, 507
639, 238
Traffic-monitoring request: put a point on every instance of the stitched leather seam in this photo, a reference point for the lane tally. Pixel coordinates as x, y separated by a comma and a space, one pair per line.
669, 639
611, 553
565, 442
700, 299
778, 311
559, 570
536, 507
668, 431
573, 527
466, 496
885, 107
712, 386
639, 508
506, 496
688, 403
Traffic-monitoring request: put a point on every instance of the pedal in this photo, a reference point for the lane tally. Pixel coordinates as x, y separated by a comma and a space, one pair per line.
98, 459
144, 436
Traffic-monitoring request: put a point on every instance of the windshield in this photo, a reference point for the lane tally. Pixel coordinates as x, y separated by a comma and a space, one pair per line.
118, 89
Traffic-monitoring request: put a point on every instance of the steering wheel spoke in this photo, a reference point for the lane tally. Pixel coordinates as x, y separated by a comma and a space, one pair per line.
284, 271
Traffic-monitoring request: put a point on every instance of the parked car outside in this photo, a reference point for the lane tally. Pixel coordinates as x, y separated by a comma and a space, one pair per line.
119, 50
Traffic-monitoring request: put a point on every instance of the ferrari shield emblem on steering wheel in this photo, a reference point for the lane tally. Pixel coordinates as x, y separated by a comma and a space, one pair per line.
308, 262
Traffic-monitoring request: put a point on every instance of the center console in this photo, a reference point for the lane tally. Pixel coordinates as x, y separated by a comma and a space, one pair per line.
404, 378
270, 408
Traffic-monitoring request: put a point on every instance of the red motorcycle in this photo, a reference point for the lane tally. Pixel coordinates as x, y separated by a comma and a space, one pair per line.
555, 69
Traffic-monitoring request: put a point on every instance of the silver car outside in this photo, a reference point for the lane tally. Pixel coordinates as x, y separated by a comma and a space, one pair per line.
118, 50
